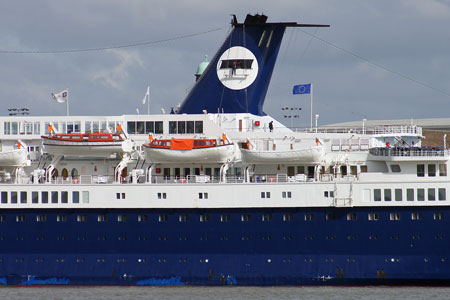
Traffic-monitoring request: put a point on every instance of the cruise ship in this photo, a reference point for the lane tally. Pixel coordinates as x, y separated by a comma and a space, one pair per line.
213, 195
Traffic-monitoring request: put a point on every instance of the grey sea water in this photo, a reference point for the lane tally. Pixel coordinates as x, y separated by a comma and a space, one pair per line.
223, 293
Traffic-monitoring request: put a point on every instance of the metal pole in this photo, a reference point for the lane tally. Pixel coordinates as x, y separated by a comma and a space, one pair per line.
148, 108
67, 102
311, 96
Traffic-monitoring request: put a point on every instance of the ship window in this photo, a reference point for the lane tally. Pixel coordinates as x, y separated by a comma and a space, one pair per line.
61, 218
377, 194
2, 218
438, 216
37, 128
23, 197
420, 170
102, 218
373, 217
54, 197
14, 128
75, 197
198, 126
387, 195
398, 195
140, 127
172, 127
4, 197
122, 218
395, 168
352, 217
325, 194
441, 194
416, 216
21, 218
246, 217
431, 170
309, 217
44, 197
442, 170
131, 127
225, 218
85, 195
431, 194
14, 197
183, 218
64, 197
95, 126
420, 194
159, 127
163, 218
34, 197
267, 217
142, 218
41, 218
288, 217
149, 127
181, 127
190, 127
7, 128
204, 218
330, 216
394, 216
410, 194
81, 218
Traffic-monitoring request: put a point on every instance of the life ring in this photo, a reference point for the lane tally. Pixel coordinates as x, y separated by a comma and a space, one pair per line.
271, 179
183, 180
76, 180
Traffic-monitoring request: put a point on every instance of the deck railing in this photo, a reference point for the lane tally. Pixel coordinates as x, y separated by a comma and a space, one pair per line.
411, 151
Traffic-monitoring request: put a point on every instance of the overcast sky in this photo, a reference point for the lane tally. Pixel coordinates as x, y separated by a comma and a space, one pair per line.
407, 37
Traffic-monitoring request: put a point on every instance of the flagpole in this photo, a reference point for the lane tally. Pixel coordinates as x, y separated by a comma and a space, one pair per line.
67, 102
311, 98
148, 108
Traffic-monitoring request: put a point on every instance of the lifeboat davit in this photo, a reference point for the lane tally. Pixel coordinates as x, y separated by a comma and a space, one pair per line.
83, 144
188, 150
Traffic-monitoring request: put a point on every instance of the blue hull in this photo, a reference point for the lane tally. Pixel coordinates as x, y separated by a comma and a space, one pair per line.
286, 246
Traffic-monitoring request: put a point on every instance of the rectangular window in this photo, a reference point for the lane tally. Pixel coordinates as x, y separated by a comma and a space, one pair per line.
266, 217
35, 197
7, 128
14, 197
75, 197
172, 127
149, 127
4, 197
44, 197
330, 216
81, 218
309, 217
163, 218
198, 126
159, 127
61, 218
352, 216
37, 128
398, 195
245, 217
121, 218
416, 216
87, 126
442, 170
409, 194
225, 218
431, 194
420, 170
54, 197
190, 127
95, 126
441, 194
288, 217
394, 216
420, 194
377, 194
131, 127
23, 197
181, 127
438, 216
14, 128
85, 195
204, 218
64, 197
387, 195
140, 127
431, 170
373, 217
102, 218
